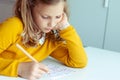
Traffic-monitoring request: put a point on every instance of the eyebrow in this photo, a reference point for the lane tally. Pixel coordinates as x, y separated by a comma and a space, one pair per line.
50, 15
45, 14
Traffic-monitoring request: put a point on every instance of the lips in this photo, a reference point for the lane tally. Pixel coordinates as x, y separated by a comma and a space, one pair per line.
48, 29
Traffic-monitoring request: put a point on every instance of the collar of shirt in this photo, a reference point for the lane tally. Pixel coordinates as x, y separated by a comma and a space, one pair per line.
42, 39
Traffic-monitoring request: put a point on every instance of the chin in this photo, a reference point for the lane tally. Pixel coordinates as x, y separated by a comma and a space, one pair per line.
47, 31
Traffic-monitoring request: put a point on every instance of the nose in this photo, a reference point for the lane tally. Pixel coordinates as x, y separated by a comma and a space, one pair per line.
52, 23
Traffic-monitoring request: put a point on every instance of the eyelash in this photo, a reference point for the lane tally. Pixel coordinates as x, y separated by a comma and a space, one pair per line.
57, 17
45, 17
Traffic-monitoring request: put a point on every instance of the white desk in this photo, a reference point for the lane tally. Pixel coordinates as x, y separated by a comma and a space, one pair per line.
102, 65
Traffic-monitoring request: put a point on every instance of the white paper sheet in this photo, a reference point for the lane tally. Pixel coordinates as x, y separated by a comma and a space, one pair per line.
57, 70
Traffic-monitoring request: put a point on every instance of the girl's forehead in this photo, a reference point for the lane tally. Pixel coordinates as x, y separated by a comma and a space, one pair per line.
50, 9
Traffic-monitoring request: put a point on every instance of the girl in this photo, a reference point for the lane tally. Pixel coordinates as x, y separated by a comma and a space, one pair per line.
41, 27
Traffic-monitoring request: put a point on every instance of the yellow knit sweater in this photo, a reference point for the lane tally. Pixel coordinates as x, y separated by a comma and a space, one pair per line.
70, 53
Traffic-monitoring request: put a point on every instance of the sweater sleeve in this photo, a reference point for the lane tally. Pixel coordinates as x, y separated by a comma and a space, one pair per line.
9, 31
8, 67
71, 53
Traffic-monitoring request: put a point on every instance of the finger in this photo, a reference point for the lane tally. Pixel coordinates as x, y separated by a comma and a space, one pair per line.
58, 25
65, 17
55, 27
32, 78
43, 68
37, 76
41, 72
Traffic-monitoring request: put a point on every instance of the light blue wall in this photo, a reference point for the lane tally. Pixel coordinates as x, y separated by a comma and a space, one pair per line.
6, 7
98, 26
89, 18
112, 40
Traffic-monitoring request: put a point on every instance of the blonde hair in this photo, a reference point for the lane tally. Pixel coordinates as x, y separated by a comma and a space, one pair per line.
32, 33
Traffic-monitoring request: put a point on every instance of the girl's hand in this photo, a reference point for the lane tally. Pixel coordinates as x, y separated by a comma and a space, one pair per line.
63, 23
31, 70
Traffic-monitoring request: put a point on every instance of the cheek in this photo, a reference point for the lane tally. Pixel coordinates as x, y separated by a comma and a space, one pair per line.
60, 19
41, 22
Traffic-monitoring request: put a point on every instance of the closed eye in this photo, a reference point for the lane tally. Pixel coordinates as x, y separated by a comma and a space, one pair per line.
58, 17
45, 17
